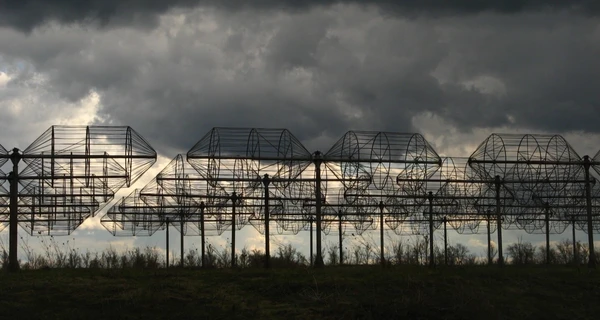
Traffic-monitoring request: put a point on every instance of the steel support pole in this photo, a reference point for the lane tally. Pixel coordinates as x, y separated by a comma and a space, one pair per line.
381, 208
13, 260
312, 259
234, 199
431, 253
167, 240
445, 242
340, 237
588, 198
266, 182
181, 234
489, 238
498, 184
575, 249
547, 218
318, 160
202, 231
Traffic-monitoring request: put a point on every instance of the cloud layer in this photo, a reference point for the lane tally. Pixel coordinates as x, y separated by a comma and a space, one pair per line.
318, 72
27, 14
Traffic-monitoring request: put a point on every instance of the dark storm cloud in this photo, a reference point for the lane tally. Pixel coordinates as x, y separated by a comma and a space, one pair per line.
322, 72
27, 14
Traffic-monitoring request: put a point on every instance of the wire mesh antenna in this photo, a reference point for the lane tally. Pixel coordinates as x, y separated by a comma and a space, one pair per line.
244, 167
71, 172
382, 169
119, 152
175, 197
536, 171
177, 192
541, 173
383, 176
454, 198
131, 216
235, 160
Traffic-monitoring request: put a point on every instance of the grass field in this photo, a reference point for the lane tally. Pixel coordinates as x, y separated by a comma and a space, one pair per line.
367, 292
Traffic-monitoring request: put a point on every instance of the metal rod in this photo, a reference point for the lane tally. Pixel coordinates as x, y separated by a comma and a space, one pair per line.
547, 218
167, 236
181, 234
54, 156
489, 239
72, 176
490, 181
351, 160
381, 245
311, 241
203, 232
340, 238
266, 181
234, 199
445, 243
588, 196
14, 214
431, 253
571, 163
575, 249
317, 161
498, 184
236, 179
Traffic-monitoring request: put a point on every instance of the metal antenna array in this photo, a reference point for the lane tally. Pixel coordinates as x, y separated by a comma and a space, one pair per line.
366, 181
70, 173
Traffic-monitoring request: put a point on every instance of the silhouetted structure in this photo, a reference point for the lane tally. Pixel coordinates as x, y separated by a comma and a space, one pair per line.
69, 174
366, 181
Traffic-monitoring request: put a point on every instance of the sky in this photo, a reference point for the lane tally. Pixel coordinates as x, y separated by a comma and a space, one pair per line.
454, 71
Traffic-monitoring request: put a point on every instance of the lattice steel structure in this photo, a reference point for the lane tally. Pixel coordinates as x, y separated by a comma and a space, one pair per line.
176, 196
70, 173
539, 182
368, 181
369, 165
249, 174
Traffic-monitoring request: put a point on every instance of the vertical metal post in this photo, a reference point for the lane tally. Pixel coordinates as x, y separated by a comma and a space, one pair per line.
311, 241
547, 221
445, 242
318, 160
13, 260
181, 240
234, 199
266, 182
575, 249
489, 238
202, 231
340, 237
167, 236
498, 184
588, 198
381, 208
431, 253
52, 142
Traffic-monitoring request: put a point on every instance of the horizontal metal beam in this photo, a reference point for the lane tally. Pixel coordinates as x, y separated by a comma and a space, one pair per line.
311, 159
541, 162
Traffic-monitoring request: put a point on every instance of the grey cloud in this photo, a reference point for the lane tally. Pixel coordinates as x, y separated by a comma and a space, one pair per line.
27, 14
548, 69
320, 73
30, 105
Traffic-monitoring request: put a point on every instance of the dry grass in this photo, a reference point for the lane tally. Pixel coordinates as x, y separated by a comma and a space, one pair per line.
367, 292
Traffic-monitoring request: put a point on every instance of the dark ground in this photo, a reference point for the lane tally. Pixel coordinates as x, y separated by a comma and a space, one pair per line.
366, 292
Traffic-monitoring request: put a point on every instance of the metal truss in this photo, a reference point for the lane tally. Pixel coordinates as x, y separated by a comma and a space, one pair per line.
70, 173
366, 181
